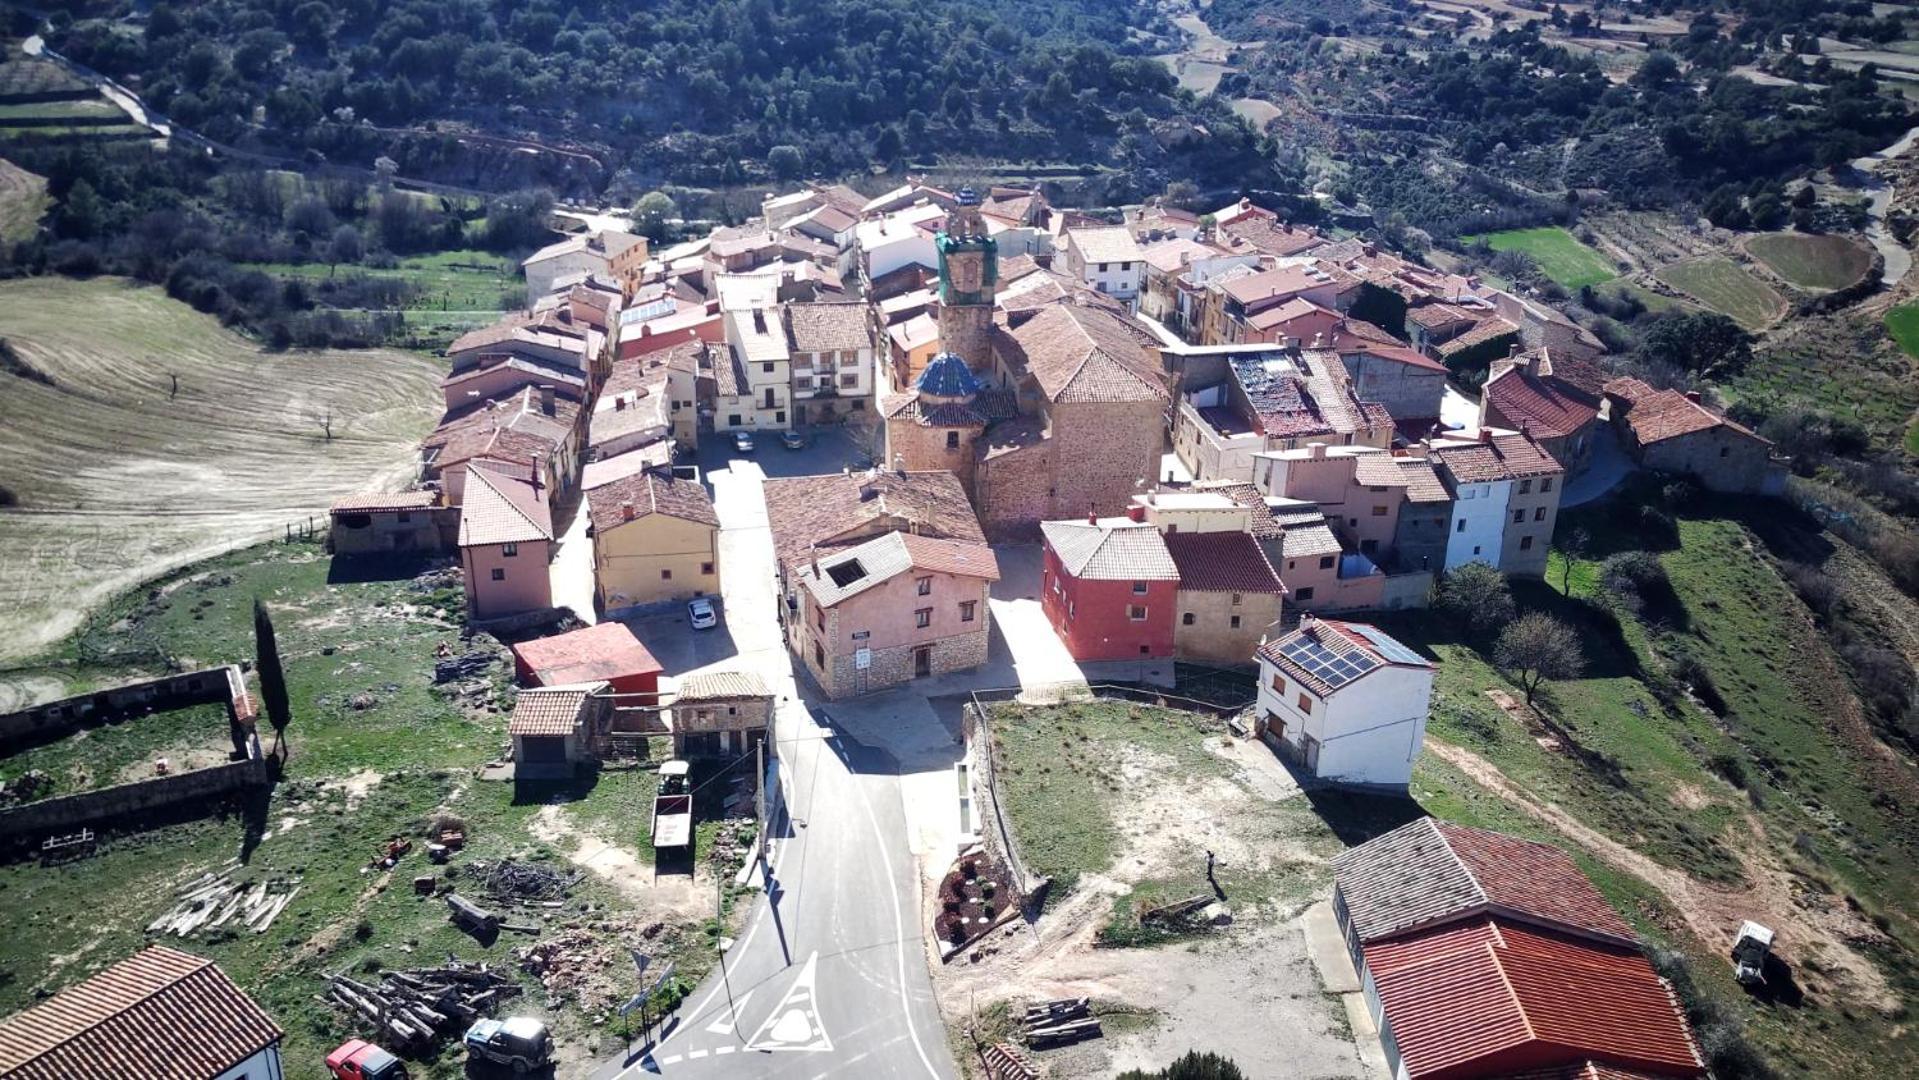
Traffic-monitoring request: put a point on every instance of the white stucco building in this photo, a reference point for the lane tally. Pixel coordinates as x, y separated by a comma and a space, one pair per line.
1346, 701
1107, 259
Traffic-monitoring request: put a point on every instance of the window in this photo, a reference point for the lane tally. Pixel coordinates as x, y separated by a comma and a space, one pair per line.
509, 550
1325, 562
1519, 517
859, 405
766, 368
968, 610
1102, 268
1724, 450
1525, 487
706, 568
769, 398
1525, 543
779, 417
952, 440
819, 617
1475, 549
1305, 704
923, 617
1186, 619
923, 586
1304, 594
1291, 563
1279, 683
819, 656
1379, 511
850, 380
1171, 528
732, 419
1547, 484
666, 575
404, 518
1236, 599
1125, 266
1462, 525
1352, 523
1136, 612
1139, 588
499, 574
1369, 546
1466, 493
1539, 514
805, 382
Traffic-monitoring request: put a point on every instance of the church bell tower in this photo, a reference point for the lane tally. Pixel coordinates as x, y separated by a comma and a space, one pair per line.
969, 280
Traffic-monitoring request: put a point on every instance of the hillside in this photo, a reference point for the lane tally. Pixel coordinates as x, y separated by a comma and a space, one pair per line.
119, 477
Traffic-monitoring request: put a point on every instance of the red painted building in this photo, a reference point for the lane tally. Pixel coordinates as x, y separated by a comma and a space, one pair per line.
606, 653
1109, 588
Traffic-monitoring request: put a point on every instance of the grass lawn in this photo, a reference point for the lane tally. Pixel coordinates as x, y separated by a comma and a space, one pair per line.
85, 108
1559, 254
1812, 261
1726, 287
96, 757
447, 281
1902, 323
376, 750
23, 201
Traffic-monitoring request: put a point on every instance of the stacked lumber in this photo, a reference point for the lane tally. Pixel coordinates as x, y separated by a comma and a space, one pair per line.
415, 1007
214, 899
1053, 1023
1004, 1061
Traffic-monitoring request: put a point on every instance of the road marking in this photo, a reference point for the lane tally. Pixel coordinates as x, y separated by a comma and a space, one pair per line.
795, 1025
695, 1055
899, 928
725, 1024
724, 1050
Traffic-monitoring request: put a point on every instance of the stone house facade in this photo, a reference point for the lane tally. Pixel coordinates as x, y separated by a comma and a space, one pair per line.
1675, 432
720, 712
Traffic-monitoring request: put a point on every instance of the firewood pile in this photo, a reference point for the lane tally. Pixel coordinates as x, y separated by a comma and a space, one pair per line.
215, 900
417, 1006
509, 880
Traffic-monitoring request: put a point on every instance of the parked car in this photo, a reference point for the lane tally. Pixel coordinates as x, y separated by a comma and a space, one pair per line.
743, 441
520, 1043
793, 440
357, 1059
700, 613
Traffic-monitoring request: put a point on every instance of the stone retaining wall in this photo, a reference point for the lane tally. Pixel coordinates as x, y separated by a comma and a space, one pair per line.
121, 800
53, 719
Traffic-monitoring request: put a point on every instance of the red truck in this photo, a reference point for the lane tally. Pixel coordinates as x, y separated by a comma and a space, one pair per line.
357, 1059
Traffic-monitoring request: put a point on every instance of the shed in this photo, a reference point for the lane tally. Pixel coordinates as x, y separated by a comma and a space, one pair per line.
556, 728
606, 653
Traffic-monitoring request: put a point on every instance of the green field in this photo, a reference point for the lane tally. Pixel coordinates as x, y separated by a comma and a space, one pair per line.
1726, 287
1812, 261
449, 281
376, 750
88, 108
1559, 254
1902, 323
23, 201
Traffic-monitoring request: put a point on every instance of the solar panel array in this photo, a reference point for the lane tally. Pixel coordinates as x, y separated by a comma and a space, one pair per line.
1333, 669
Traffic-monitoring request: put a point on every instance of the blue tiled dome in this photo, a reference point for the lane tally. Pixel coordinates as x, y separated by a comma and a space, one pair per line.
947, 375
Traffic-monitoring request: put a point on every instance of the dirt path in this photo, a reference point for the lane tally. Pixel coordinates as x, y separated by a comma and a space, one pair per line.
1812, 923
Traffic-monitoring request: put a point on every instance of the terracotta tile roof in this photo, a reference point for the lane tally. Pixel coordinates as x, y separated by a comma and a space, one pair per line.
1658, 415
603, 651
1114, 549
158, 1015
1171, 256
651, 491
850, 571
1221, 562
1546, 407
1308, 393
914, 332
1504, 457
549, 710
624, 412
1112, 244
398, 500
1279, 315
513, 429
718, 685
1273, 286
986, 407
1415, 475
1430, 872
832, 509
501, 509
1398, 352
1359, 646
1487, 330
1014, 267
1263, 526
1308, 539
537, 369
654, 455
1266, 234
1439, 316
1080, 354
1462, 999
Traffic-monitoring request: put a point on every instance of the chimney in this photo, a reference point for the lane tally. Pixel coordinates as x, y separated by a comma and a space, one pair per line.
1692, 396
1319, 338
626, 511
1485, 434
814, 551
1512, 349
1316, 451
546, 398
1136, 512
759, 320
536, 472
1091, 517
619, 403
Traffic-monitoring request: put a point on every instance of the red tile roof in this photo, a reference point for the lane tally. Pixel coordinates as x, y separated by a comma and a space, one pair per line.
158, 1015
649, 492
1477, 998
501, 509
604, 651
1111, 549
398, 500
1222, 562
1658, 415
548, 710
1547, 407
1503, 457
834, 509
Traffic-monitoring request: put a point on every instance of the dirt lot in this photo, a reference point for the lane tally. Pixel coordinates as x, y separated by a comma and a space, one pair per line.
1173, 793
119, 478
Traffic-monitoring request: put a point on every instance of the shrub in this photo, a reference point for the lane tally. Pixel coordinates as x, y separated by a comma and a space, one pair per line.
1729, 768
1477, 596
1192, 1065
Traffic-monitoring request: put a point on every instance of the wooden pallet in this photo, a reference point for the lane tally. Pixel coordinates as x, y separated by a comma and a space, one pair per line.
1004, 1061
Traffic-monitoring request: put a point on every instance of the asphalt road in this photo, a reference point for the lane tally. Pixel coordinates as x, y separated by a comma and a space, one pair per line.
828, 976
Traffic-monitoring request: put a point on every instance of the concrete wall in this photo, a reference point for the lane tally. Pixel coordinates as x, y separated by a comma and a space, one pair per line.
655, 559
1408, 392
1093, 618
1479, 524
1211, 635
1420, 536
122, 800
52, 719
525, 583
1206, 453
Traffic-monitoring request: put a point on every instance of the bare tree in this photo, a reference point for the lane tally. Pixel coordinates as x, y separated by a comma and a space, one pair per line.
323, 416
173, 390
1571, 550
1537, 647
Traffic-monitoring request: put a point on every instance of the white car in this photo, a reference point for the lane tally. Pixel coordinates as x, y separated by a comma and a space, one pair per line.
701, 614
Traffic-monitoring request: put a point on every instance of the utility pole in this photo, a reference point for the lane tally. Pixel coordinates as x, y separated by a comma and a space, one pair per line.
759, 783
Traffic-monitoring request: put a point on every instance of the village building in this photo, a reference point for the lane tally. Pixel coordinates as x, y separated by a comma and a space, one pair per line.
1506, 492
720, 714
557, 729
911, 345
535, 429
160, 1014
1106, 259
1110, 588
1675, 432
1261, 231
667, 322
632, 410
506, 542
1229, 595
1481, 955
939, 423
752, 373
398, 523
830, 349
1154, 222
655, 541
968, 283
501, 375
611, 253
1273, 398
604, 652
1346, 702
1554, 399
1174, 271
900, 239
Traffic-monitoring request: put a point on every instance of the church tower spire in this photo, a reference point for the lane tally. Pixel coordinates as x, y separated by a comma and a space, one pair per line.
969, 280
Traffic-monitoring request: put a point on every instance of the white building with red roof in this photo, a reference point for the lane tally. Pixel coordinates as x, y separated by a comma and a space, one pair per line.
1484, 955
1345, 701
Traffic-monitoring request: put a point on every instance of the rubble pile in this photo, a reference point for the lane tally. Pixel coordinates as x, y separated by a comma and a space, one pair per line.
470, 665
214, 900
25, 788
566, 964
509, 880
417, 1006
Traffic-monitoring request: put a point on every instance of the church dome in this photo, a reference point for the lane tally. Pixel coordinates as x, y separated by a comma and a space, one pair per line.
947, 376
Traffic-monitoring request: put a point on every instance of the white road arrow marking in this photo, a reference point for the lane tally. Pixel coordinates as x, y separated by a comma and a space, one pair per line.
730, 1017
794, 1025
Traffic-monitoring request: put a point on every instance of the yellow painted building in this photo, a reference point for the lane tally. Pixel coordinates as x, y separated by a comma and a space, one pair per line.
655, 540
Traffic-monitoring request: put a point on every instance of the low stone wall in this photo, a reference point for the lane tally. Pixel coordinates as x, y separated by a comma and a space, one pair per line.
141, 796
53, 719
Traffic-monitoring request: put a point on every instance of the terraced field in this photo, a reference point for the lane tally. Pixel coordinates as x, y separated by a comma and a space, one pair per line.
1812, 261
1726, 287
1559, 254
118, 480
23, 199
